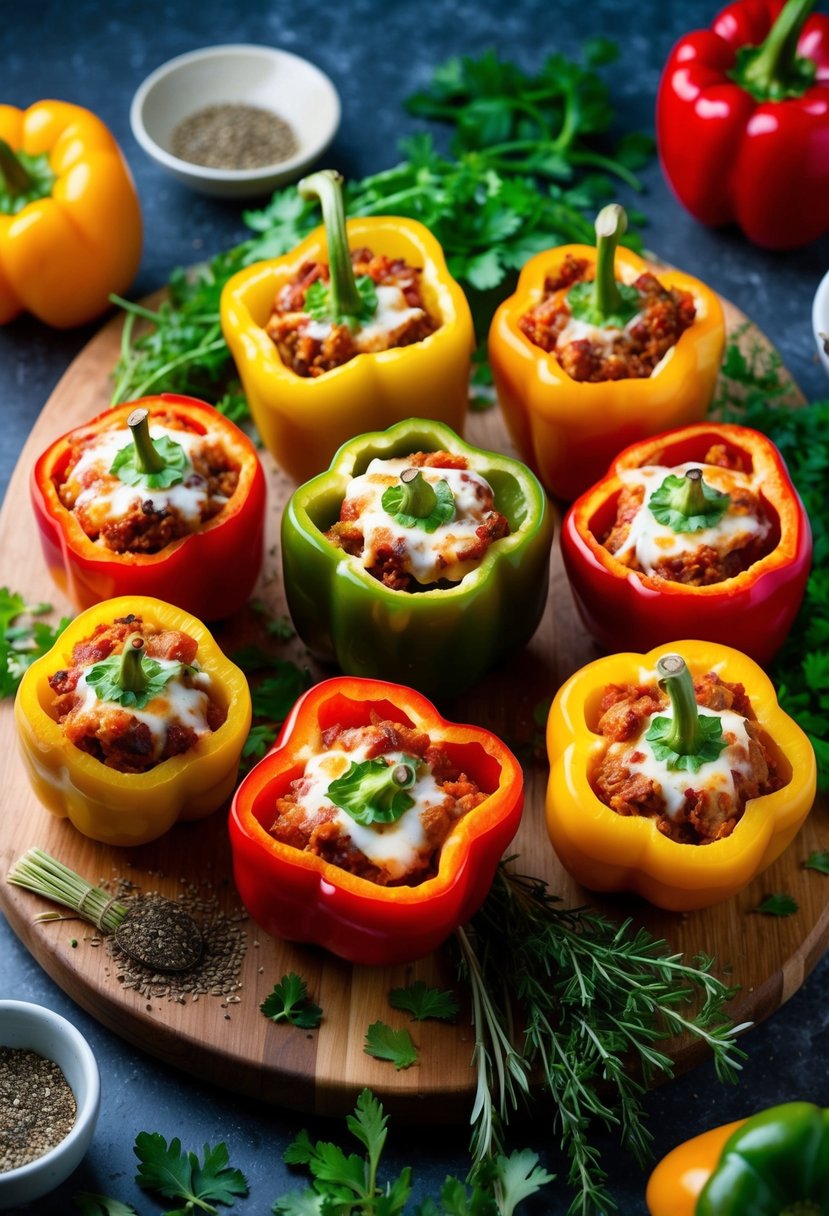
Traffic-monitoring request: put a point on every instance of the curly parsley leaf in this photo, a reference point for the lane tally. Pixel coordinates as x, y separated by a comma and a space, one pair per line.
669, 505
423, 1002
374, 791
90, 1204
659, 736
103, 678
289, 1002
817, 861
394, 502
318, 303
385, 1043
167, 1171
778, 905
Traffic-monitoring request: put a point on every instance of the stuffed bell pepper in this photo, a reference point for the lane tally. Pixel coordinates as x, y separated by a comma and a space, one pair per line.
596, 350
775, 1163
417, 558
674, 774
374, 827
70, 222
133, 720
359, 327
162, 497
742, 121
698, 532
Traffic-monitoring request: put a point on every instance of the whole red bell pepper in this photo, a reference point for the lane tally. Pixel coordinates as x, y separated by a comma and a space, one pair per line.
742, 121
297, 895
210, 572
625, 609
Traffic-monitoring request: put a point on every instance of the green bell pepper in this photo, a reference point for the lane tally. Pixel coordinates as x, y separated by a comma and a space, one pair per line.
439, 640
776, 1164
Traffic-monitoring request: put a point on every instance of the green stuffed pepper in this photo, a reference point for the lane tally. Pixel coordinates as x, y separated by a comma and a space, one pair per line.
417, 558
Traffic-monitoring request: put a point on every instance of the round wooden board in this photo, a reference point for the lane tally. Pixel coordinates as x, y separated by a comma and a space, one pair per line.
321, 1071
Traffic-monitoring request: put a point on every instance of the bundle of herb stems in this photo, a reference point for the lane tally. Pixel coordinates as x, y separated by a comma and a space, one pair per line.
526, 171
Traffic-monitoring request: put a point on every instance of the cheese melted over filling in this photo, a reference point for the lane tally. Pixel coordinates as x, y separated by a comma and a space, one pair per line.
101, 497
179, 703
428, 556
715, 775
649, 542
380, 333
396, 847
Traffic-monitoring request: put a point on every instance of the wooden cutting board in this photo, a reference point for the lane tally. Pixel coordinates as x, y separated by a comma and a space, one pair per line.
321, 1071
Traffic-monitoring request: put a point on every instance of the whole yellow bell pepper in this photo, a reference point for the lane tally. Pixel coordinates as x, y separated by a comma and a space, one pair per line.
131, 808
569, 431
606, 851
303, 421
70, 221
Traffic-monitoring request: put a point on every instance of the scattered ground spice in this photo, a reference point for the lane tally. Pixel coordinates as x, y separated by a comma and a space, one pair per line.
37, 1106
163, 937
232, 136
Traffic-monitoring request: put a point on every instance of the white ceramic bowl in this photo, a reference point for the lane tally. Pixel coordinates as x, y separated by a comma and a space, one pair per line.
261, 76
820, 319
39, 1029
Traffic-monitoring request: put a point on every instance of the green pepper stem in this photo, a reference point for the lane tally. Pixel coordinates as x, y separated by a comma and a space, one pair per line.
147, 459
326, 185
685, 737
131, 674
772, 64
17, 180
691, 500
419, 497
611, 225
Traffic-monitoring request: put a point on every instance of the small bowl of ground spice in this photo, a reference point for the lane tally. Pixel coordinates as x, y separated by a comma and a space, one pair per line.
235, 121
49, 1099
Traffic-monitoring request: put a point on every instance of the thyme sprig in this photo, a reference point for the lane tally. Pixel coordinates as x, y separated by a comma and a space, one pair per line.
589, 997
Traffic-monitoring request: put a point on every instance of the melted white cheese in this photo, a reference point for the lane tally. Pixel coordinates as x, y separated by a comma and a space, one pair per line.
650, 542
598, 335
100, 497
380, 333
672, 783
396, 847
428, 556
177, 704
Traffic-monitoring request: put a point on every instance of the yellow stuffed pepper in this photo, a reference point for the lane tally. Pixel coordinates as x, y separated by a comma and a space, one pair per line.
70, 221
359, 327
596, 351
674, 774
133, 720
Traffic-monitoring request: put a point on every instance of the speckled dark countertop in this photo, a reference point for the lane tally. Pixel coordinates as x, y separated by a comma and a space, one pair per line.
376, 53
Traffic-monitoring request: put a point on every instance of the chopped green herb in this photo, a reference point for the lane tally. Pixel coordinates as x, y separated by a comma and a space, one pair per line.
89, 1204
374, 791
385, 1043
318, 302
289, 1002
778, 905
688, 503
22, 638
167, 1171
817, 861
104, 678
423, 1002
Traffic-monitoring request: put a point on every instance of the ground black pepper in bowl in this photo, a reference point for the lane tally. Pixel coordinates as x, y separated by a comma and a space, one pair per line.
233, 136
37, 1107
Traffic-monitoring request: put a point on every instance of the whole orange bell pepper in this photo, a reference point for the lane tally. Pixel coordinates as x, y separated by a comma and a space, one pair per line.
121, 808
303, 421
606, 851
569, 430
70, 221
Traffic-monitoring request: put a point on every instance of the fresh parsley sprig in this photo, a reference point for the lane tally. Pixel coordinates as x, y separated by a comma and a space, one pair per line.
374, 791
105, 678
688, 503
289, 1002
167, 1171
23, 637
422, 1002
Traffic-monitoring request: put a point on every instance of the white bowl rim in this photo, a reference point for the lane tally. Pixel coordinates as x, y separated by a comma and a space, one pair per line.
304, 155
86, 1104
820, 317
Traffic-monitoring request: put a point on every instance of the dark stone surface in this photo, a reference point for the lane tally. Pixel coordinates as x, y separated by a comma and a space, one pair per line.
377, 54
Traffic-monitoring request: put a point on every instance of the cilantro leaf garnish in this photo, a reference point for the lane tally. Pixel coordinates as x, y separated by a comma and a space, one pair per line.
580, 299
125, 466
318, 303
104, 678
385, 1043
419, 504
687, 503
90, 1204
817, 861
660, 733
22, 640
169, 1172
374, 791
289, 1002
780, 904
423, 1002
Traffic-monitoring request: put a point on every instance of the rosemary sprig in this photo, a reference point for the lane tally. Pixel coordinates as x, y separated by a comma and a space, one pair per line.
594, 997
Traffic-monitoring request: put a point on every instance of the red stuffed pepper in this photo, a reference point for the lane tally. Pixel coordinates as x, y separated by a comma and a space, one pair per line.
698, 533
162, 497
742, 121
374, 827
